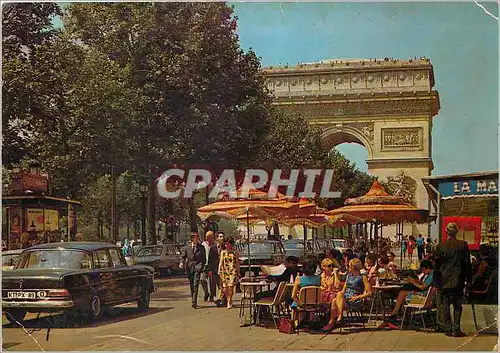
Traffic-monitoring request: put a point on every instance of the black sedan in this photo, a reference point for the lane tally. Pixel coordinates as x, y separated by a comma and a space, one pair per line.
73, 276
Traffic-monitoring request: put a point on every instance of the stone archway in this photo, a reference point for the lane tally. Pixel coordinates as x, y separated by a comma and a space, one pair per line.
385, 105
347, 133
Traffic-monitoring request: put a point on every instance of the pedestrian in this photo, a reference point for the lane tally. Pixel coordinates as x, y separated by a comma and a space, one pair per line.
429, 247
193, 259
420, 247
404, 246
411, 247
209, 277
452, 269
229, 270
221, 300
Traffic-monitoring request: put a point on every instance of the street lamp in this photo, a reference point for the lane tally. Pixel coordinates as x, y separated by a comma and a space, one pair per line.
144, 190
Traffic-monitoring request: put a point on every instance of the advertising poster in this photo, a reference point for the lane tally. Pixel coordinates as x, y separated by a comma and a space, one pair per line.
34, 217
15, 222
51, 220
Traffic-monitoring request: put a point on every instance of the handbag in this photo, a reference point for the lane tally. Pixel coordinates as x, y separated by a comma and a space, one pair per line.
286, 326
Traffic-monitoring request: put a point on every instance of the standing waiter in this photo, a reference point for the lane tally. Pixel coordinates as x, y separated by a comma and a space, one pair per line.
452, 269
193, 259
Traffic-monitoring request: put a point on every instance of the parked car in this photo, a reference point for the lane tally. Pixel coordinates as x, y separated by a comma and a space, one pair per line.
73, 277
340, 244
324, 245
163, 258
10, 259
265, 252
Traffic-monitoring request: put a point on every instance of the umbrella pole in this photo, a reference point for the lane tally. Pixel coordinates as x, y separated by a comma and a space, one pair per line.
304, 230
400, 233
248, 242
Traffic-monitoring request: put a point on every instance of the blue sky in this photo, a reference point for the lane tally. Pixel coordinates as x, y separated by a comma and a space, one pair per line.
459, 38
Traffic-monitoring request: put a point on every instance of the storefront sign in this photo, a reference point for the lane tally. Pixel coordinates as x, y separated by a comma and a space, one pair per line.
469, 187
22, 182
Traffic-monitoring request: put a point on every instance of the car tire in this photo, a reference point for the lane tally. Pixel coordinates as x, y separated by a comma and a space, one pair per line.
96, 307
15, 316
144, 300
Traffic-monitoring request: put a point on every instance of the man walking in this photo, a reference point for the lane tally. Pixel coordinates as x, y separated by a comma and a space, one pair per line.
210, 277
452, 269
193, 259
420, 247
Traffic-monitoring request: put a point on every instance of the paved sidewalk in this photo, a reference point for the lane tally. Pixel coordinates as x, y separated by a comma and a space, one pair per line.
172, 324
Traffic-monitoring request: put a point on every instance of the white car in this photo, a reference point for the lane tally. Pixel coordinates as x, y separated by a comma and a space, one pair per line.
340, 244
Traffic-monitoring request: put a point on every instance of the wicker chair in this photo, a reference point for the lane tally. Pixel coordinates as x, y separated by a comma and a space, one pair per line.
273, 304
311, 299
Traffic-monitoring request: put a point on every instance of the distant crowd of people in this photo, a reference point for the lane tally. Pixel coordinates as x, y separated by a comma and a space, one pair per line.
410, 243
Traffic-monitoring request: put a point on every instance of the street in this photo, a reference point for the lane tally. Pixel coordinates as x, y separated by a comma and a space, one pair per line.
171, 324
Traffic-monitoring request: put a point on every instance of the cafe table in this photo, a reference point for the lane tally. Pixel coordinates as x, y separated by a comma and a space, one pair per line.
248, 290
378, 303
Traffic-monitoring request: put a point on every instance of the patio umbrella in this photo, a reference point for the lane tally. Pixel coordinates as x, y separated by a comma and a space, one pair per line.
257, 205
378, 206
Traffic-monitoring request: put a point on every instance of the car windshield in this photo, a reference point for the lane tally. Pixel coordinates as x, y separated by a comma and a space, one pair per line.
53, 258
10, 260
261, 247
150, 251
339, 243
293, 245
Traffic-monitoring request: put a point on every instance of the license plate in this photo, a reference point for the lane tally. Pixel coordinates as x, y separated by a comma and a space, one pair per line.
21, 295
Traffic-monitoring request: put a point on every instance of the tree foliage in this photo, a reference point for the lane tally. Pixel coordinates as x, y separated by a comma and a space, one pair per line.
25, 27
138, 87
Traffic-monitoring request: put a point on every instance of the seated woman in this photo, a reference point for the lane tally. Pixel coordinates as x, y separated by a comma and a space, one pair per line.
371, 267
384, 270
306, 280
355, 289
330, 280
392, 262
421, 286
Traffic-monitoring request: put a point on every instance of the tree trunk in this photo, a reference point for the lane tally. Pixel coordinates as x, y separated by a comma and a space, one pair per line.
192, 215
128, 229
152, 212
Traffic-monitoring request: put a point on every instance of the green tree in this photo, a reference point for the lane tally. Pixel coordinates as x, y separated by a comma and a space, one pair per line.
202, 99
25, 27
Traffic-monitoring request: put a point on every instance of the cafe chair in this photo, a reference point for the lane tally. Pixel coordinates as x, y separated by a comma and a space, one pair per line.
474, 294
272, 304
311, 298
426, 306
355, 312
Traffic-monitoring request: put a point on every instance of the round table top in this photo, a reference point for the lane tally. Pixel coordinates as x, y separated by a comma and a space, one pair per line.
388, 286
256, 284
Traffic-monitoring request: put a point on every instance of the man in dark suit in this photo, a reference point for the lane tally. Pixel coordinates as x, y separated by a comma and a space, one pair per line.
210, 273
452, 269
193, 258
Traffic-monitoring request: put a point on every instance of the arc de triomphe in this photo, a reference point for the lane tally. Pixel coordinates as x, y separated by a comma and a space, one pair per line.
385, 105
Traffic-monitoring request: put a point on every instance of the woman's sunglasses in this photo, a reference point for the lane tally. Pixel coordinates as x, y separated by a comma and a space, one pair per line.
330, 266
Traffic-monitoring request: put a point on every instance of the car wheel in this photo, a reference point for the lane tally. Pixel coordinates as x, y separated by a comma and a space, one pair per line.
95, 307
144, 300
15, 315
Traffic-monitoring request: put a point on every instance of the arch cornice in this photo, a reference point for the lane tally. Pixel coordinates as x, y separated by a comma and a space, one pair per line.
364, 138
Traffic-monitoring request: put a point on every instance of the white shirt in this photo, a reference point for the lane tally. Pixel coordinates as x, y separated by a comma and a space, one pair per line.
207, 250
